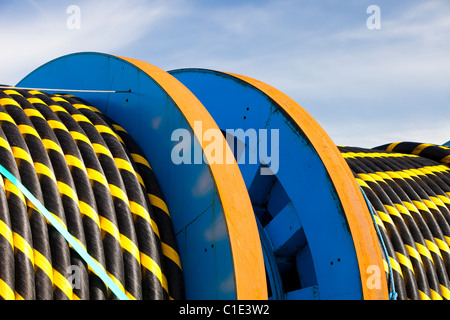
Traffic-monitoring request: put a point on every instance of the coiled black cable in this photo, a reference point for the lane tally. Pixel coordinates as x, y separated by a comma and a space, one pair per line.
410, 195
74, 162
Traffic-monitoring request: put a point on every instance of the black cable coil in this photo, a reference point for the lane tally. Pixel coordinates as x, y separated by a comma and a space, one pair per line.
91, 175
409, 191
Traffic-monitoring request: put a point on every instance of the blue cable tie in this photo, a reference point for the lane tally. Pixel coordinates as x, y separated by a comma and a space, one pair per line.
393, 294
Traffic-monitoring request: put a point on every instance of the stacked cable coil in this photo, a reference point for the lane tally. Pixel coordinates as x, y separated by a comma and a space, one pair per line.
90, 175
408, 189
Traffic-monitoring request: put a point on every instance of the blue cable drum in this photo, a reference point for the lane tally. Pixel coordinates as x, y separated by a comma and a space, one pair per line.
298, 206
217, 261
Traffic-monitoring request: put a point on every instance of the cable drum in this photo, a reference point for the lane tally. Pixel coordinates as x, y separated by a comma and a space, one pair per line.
91, 176
408, 186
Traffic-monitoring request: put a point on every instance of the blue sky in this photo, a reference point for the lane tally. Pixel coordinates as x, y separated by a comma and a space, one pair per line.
364, 87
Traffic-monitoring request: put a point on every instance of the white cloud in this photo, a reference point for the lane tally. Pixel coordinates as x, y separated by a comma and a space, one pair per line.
41, 34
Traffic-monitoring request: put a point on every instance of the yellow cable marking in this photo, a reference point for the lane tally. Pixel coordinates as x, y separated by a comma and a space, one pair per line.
56, 108
410, 206
423, 296
430, 204
130, 296
105, 129
376, 155
26, 129
109, 227
83, 106
396, 266
118, 128
79, 136
385, 217
42, 262
6, 232
446, 159
442, 245
424, 251
97, 176
34, 92
59, 99
366, 177
376, 177
124, 164
444, 199
445, 292
433, 247
416, 172
10, 187
5, 144
118, 193
417, 150
65, 189
447, 240
54, 124
140, 159
5, 291
10, 92
62, 283
130, 246
362, 183
419, 205
153, 267
437, 201
74, 161
124, 241
385, 266
81, 118
169, 252
9, 101
51, 145
379, 222
33, 113
438, 169
21, 244
43, 169
18, 296
36, 100
392, 146
405, 261
158, 202
409, 173
98, 148
383, 175
402, 209
6, 117
392, 211
137, 209
435, 295
19, 153
87, 210
413, 253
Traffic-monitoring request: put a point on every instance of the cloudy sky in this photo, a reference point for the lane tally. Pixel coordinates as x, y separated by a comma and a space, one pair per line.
366, 87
